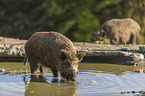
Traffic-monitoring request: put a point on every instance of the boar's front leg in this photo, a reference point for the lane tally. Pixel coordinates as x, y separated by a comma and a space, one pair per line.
133, 39
41, 69
33, 64
55, 72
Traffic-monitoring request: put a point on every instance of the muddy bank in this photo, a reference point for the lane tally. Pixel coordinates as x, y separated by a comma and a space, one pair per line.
13, 50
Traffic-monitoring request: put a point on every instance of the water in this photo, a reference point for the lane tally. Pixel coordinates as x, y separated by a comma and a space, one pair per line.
94, 79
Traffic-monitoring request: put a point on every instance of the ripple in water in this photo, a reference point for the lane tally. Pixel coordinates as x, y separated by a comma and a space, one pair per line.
88, 83
12, 88
106, 84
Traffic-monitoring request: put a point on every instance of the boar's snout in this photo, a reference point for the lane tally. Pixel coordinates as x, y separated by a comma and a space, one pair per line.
69, 72
71, 77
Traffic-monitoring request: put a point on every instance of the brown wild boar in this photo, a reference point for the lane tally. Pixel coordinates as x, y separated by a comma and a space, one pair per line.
117, 31
53, 50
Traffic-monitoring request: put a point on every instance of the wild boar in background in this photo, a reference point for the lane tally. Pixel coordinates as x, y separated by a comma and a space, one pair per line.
118, 31
53, 50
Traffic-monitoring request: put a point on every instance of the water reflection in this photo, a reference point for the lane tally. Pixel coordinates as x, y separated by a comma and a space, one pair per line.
93, 80
55, 87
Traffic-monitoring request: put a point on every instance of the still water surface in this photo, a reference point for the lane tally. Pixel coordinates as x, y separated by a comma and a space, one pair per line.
94, 79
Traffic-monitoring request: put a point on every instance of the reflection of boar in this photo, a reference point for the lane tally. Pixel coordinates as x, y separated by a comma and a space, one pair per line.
53, 50
118, 31
40, 86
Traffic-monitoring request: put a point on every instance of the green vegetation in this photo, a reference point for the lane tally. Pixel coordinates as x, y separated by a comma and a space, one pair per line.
2, 40
76, 19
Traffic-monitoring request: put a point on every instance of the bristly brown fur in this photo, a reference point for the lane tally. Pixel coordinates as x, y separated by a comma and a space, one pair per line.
44, 49
117, 31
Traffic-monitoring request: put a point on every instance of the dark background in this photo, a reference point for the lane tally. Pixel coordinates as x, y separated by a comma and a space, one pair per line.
75, 19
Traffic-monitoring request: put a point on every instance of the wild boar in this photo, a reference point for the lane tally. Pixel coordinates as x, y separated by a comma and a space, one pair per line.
118, 31
53, 50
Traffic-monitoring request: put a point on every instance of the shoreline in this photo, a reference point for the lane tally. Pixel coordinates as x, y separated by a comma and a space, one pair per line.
13, 50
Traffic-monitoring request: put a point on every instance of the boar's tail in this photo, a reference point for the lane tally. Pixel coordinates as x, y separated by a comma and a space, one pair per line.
25, 61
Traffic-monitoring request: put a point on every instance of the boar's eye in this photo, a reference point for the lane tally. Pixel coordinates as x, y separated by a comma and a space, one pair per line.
102, 34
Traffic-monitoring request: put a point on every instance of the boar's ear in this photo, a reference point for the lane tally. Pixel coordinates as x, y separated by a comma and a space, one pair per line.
80, 55
63, 55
